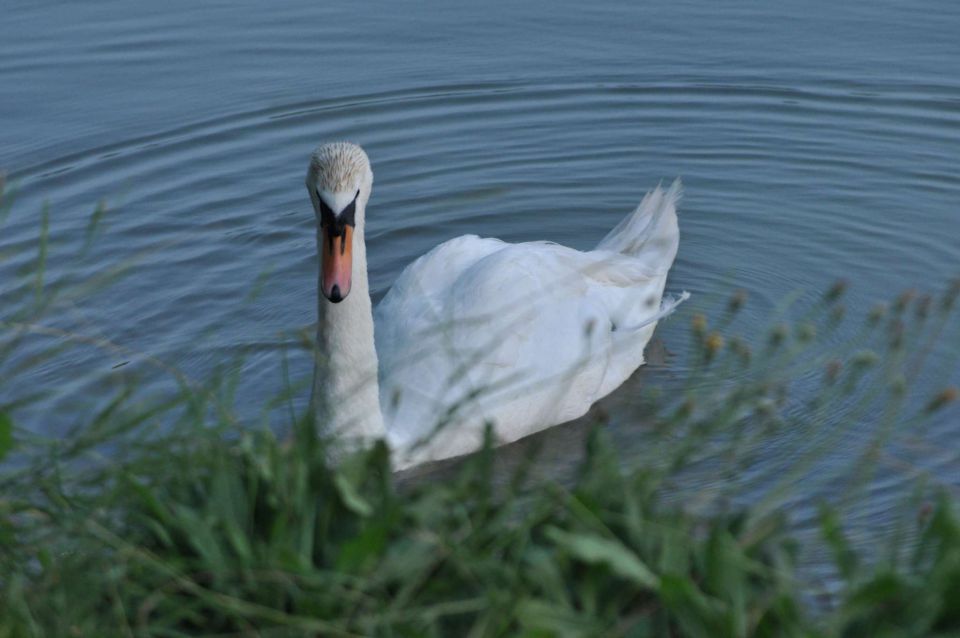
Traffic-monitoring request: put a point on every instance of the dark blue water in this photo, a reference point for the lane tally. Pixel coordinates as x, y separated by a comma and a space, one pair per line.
816, 141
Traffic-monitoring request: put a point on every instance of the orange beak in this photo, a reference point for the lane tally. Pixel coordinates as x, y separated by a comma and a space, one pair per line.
336, 264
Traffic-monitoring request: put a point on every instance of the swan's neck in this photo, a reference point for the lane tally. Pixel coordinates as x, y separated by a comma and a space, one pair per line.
346, 394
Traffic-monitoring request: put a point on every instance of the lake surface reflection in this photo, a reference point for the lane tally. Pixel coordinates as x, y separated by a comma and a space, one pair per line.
816, 141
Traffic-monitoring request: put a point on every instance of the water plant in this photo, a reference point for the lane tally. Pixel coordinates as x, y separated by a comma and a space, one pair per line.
169, 515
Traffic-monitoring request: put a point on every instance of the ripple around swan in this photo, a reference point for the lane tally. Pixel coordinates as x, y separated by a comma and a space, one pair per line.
787, 188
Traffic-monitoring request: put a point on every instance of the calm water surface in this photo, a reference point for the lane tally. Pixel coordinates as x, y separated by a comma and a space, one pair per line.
816, 141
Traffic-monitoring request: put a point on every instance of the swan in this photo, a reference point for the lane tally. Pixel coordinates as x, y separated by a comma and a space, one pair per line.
477, 331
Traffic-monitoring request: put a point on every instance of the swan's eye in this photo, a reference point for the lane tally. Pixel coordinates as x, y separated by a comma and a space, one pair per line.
327, 218
348, 214
336, 223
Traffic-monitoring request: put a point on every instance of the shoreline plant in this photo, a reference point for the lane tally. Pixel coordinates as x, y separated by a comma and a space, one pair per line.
160, 516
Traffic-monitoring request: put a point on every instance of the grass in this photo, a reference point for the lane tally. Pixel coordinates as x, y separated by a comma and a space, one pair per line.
160, 516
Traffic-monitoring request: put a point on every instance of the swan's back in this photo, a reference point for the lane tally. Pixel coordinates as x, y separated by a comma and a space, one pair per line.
523, 336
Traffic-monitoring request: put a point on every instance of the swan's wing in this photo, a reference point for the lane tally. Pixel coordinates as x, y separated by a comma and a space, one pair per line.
521, 335
412, 337
418, 297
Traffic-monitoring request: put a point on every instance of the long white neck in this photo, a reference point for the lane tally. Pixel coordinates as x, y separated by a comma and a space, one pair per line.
346, 394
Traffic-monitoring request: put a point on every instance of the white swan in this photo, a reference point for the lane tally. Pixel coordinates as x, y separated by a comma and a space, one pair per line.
522, 336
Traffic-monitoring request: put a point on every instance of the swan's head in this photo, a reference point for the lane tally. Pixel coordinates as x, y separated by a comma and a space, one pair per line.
339, 181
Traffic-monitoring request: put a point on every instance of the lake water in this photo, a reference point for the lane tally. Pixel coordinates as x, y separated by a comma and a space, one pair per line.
816, 141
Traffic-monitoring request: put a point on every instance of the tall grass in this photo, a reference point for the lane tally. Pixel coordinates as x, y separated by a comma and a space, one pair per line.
160, 516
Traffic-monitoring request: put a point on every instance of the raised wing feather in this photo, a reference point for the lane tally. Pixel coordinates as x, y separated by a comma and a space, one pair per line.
520, 335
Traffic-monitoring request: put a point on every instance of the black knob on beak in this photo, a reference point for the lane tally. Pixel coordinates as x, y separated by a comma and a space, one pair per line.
335, 294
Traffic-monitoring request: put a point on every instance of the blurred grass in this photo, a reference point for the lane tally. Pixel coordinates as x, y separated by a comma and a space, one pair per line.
160, 516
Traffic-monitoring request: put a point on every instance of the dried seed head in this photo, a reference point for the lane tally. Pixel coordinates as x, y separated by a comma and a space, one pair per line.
737, 301
944, 398
865, 359
686, 409
833, 371
903, 300
699, 324
740, 348
835, 291
779, 334
896, 334
876, 314
713, 344
806, 332
950, 297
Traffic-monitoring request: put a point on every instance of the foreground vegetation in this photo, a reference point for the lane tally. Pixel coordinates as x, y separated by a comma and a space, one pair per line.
159, 516
262, 539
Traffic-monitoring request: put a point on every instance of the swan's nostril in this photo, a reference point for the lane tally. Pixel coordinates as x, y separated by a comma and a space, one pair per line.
335, 294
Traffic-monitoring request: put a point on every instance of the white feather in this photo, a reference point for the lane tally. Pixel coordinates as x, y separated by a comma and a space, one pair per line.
521, 336
524, 336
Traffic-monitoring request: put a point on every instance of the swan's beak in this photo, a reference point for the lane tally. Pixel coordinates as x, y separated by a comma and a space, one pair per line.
336, 263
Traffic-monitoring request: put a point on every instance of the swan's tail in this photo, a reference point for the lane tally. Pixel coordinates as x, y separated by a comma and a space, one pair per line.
650, 233
667, 306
